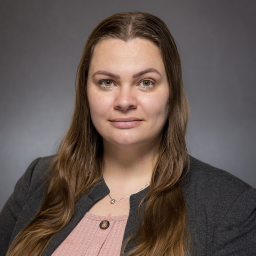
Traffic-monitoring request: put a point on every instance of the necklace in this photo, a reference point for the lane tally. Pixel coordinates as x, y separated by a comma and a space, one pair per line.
112, 201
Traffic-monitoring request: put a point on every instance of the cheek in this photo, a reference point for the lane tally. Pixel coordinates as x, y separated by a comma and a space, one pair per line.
157, 107
99, 107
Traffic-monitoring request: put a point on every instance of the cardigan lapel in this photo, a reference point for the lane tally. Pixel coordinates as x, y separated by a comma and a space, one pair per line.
82, 206
133, 221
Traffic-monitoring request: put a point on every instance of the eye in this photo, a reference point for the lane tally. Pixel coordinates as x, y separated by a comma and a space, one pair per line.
147, 83
106, 83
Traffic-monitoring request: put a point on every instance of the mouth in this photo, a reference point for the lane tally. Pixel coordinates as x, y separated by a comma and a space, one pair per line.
128, 119
126, 123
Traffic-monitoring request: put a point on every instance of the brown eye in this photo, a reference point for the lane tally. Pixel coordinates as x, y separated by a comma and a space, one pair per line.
146, 83
107, 82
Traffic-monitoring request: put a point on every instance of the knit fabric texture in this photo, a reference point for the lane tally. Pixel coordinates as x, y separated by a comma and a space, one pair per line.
87, 238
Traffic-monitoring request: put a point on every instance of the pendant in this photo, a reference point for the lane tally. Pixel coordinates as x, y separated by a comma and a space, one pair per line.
112, 201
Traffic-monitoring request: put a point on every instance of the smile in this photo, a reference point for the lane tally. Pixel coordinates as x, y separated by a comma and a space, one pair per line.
126, 123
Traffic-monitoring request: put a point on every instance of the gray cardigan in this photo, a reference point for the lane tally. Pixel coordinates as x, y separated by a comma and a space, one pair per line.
221, 210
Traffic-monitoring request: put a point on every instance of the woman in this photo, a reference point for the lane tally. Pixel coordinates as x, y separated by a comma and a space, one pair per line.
122, 181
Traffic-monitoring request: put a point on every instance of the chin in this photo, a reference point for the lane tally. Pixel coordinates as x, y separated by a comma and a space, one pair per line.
124, 141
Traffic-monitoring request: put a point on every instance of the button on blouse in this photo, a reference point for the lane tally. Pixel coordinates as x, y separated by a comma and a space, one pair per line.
94, 235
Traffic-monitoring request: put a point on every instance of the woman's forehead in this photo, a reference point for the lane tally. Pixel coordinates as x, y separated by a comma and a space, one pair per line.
126, 55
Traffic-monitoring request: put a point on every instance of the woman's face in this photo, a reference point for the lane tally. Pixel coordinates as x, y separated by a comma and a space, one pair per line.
128, 91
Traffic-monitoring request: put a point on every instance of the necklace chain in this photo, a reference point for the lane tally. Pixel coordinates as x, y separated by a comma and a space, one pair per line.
112, 201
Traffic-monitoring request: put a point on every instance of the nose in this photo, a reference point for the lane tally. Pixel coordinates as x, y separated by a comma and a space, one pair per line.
125, 99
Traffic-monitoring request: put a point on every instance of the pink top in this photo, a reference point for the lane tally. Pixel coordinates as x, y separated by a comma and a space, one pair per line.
87, 238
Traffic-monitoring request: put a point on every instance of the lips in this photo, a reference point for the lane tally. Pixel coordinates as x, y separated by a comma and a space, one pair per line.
128, 119
126, 123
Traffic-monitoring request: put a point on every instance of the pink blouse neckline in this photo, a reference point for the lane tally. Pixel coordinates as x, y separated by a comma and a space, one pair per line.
91, 237
99, 217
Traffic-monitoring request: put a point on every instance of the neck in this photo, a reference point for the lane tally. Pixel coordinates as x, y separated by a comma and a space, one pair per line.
128, 165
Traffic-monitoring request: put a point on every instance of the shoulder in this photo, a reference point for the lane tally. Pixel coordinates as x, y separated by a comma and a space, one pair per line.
35, 174
25, 201
34, 177
215, 191
38, 170
221, 209
212, 180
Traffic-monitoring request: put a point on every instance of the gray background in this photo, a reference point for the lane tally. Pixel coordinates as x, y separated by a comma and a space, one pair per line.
41, 44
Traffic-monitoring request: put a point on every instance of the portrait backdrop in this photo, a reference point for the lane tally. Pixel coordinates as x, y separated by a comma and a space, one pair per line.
41, 45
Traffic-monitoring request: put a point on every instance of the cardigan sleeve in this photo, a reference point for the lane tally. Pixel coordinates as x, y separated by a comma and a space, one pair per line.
14, 206
236, 232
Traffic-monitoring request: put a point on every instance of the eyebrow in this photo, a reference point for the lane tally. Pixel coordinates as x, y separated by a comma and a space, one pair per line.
148, 70
102, 72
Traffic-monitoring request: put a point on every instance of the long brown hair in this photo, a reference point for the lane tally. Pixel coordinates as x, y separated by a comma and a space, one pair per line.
78, 164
